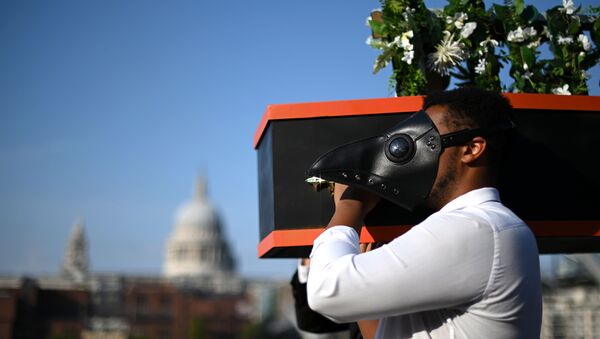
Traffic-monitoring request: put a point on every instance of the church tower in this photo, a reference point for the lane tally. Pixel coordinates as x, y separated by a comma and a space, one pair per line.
75, 264
197, 252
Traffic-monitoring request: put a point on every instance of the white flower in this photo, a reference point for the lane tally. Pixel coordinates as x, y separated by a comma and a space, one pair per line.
458, 20
527, 75
489, 41
368, 21
561, 90
516, 35
568, 7
519, 34
447, 54
585, 42
480, 68
525, 66
468, 29
565, 40
529, 32
375, 43
546, 32
408, 56
534, 44
581, 54
405, 41
408, 12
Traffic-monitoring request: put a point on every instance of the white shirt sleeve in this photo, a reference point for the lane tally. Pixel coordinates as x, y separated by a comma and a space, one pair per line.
444, 261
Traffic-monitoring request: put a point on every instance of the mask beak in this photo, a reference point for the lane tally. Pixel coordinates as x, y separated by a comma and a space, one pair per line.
399, 166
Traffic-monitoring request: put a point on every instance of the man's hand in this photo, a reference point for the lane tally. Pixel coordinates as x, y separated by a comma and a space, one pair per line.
351, 206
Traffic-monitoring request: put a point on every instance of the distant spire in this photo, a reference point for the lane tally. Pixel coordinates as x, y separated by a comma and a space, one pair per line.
201, 189
75, 264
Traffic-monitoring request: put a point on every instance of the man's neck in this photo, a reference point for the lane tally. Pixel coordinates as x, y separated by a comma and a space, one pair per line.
469, 184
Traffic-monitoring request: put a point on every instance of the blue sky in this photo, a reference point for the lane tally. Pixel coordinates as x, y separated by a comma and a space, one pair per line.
110, 109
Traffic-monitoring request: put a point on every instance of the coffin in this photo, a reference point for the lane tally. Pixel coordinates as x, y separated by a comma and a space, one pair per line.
551, 177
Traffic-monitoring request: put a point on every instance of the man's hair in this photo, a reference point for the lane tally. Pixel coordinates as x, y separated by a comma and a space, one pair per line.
471, 107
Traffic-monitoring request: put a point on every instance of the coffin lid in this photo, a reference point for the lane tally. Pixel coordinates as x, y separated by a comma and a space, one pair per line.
410, 104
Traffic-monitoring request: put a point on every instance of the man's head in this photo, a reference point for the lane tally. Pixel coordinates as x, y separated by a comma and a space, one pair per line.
434, 155
475, 163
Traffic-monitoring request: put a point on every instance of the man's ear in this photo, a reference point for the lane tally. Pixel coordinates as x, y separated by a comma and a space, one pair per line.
473, 150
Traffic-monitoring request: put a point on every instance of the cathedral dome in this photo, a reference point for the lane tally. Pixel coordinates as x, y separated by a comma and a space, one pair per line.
197, 246
197, 219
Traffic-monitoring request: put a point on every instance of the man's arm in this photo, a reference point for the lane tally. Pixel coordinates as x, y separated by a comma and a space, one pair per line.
351, 206
431, 266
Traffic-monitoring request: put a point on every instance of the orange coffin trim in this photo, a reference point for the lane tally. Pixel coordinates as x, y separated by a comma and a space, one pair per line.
411, 104
336, 109
541, 228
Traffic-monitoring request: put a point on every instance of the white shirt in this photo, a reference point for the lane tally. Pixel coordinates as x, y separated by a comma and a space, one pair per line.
470, 270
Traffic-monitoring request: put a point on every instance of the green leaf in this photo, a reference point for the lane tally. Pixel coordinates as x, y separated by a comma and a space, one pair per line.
502, 12
531, 15
574, 27
519, 5
379, 28
528, 56
595, 31
556, 21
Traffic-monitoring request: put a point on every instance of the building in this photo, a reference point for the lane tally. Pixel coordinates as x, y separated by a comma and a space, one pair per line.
197, 253
572, 298
199, 295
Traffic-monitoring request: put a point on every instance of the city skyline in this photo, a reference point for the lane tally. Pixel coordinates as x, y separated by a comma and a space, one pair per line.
110, 110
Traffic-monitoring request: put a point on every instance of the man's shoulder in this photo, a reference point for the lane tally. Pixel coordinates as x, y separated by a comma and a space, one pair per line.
457, 224
485, 217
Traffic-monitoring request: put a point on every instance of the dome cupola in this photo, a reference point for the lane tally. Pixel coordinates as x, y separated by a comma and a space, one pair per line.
197, 246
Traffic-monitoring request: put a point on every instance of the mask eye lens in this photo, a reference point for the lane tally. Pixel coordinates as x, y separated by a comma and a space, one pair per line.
400, 148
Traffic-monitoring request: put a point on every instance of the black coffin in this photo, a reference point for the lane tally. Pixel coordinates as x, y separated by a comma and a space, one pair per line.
551, 177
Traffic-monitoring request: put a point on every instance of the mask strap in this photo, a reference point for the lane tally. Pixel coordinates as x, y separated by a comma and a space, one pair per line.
463, 136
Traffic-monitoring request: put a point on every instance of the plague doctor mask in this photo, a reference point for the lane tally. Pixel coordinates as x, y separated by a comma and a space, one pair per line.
401, 165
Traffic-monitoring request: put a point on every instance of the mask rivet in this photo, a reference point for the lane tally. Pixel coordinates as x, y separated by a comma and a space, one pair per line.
396, 192
383, 187
431, 138
357, 177
345, 175
371, 182
432, 146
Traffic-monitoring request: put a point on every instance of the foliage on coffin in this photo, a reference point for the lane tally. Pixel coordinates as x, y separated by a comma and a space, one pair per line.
466, 41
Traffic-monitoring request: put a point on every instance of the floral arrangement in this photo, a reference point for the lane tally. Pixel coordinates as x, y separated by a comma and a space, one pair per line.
470, 43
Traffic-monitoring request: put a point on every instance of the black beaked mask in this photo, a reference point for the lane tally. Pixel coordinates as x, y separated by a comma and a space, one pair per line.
401, 165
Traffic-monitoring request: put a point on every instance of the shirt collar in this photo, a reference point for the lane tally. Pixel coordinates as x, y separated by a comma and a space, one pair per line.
474, 197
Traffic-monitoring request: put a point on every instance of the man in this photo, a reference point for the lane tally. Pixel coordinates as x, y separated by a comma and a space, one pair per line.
470, 270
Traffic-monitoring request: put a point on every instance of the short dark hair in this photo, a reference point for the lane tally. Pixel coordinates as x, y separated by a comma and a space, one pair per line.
472, 107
